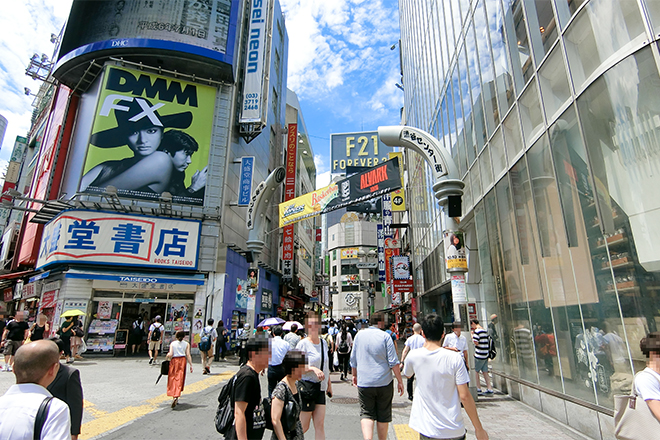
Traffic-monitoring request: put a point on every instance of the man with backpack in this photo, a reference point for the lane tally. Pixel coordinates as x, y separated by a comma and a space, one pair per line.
156, 331
207, 338
137, 331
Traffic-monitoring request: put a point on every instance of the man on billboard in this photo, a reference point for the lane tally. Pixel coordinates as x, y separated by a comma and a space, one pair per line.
180, 147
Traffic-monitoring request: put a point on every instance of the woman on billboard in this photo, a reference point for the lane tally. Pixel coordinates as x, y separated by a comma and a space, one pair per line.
148, 170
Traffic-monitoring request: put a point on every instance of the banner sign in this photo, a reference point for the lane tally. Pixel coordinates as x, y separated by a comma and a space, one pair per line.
381, 252
119, 239
387, 215
253, 278
403, 286
401, 267
289, 194
455, 251
253, 108
458, 291
398, 196
362, 149
349, 253
245, 191
151, 134
360, 187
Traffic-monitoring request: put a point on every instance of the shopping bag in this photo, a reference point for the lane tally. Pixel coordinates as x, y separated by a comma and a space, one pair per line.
335, 360
83, 347
633, 420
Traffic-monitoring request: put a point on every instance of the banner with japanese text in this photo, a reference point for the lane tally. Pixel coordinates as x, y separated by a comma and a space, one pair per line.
119, 239
289, 194
151, 134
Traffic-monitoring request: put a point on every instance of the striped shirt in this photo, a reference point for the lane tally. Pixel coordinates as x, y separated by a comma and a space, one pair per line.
481, 348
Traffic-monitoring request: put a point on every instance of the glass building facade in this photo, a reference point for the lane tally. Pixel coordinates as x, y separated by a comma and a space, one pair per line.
551, 111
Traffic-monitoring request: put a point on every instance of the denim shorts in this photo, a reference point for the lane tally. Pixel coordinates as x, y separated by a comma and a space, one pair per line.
481, 365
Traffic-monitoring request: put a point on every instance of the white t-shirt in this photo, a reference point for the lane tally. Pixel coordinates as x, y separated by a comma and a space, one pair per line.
647, 384
210, 331
19, 408
313, 354
155, 325
458, 342
178, 348
415, 341
436, 409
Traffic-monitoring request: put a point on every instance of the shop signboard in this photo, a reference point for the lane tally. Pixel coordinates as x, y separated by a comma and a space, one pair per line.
348, 253
29, 291
289, 194
366, 265
8, 294
49, 299
357, 188
396, 297
401, 267
350, 280
266, 300
151, 134
74, 304
387, 215
203, 28
245, 185
360, 149
120, 239
255, 80
403, 286
455, 251
381, 252
399, 196
458, 290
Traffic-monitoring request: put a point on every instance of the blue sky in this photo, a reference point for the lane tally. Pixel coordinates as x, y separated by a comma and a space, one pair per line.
340, 65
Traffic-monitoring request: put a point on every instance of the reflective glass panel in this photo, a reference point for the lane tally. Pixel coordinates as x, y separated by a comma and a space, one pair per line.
600, 30
475, 91
512, 135
566, 9
542, 26
485, 166
497, 154
530, 113
487, 73
505, 93
555, 89
518, 42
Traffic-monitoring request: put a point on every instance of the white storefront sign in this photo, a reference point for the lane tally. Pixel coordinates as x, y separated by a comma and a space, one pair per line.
254, 95
119, 239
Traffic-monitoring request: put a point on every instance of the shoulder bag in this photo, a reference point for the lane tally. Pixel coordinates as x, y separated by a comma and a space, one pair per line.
310, 390
633, 419
40, 419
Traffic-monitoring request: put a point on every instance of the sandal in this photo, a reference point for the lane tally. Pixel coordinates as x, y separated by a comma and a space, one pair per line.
175, 401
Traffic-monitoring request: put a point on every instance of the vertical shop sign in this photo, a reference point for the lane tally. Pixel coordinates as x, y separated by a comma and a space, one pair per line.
381, 252
253, 108
387, 215
458, 292
289, 194
399, 196
247, 167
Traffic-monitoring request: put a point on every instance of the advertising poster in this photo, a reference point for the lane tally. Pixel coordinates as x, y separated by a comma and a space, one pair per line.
358, 188
401, 267
455, 251
253, 278
151, 134
243, 294
371, 206
75, 304
104, 310
348, 253
178, 312
124, 239
204, 24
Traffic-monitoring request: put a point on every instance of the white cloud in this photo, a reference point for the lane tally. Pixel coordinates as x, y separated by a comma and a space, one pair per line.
323, 179
26, 27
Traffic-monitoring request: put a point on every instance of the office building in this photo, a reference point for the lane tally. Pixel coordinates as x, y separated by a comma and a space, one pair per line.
550, 110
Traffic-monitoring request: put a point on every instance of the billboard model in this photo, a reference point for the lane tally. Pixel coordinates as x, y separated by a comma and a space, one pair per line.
151, 134
205, 28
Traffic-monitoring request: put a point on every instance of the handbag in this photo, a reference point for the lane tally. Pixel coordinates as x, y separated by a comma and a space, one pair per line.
165, 368
77, 331
288, 417
633, 420
335, 359
310, 390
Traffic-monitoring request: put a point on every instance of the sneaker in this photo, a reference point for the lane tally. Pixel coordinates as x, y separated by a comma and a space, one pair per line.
479, 392
490, 392
151, 361
204, 372
9, 368
208, 370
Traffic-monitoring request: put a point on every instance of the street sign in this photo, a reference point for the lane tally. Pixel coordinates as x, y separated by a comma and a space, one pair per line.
367, 265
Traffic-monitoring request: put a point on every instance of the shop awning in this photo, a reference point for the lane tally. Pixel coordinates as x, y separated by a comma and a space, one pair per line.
132, 277
14, 275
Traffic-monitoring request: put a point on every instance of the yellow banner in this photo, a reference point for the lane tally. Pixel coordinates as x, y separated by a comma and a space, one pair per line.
307, 205
398, 196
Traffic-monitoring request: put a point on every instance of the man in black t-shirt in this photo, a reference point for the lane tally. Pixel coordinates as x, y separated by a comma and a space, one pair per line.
13, 336
249, 420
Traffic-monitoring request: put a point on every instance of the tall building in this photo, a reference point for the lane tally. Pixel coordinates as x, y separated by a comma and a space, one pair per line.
550, 110
3, 128
159, 121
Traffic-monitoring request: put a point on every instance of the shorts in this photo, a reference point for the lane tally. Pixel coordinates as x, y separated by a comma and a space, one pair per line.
12, 346
423, 437
481, 365
154, 345
376, 403
309, 405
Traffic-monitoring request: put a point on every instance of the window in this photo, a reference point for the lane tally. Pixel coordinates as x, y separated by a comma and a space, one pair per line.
334, 271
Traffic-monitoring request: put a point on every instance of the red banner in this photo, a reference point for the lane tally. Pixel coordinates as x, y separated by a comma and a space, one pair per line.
319, 235
8, 294
289, 194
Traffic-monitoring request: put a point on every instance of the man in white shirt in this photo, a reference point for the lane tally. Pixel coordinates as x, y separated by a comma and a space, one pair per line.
207, 338
457, 342
441, 388
35, 367
413, 343
278, 349
156, 331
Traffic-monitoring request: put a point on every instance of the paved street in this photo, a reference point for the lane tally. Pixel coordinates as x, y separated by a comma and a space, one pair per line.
122, 402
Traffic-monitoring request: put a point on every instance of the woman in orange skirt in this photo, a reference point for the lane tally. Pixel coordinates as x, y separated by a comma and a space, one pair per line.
178, 355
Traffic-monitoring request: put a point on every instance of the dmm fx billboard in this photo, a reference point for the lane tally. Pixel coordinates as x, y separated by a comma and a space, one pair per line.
368, 184
363, 149
151, 134
255, 83
119, 239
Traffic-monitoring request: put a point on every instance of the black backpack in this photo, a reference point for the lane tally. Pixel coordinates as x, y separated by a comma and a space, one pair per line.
492, 351
155, 334
224, 415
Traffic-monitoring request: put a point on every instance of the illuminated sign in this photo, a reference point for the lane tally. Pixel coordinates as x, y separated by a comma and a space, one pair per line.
362, 149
